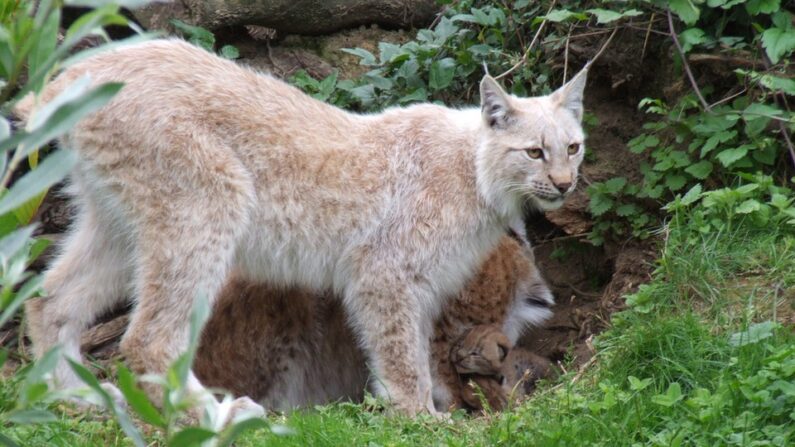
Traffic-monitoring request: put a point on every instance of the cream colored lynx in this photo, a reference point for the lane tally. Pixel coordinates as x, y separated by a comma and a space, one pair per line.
199, 166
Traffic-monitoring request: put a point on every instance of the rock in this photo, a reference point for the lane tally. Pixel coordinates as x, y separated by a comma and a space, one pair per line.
310, 17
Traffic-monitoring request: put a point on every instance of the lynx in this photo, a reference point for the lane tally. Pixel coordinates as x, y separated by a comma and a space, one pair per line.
199, 167
485, 361
292, 348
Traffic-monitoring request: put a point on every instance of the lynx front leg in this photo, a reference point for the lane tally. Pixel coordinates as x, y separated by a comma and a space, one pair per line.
387, 315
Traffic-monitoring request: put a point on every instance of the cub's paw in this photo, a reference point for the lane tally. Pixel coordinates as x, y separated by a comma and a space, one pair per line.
245, 408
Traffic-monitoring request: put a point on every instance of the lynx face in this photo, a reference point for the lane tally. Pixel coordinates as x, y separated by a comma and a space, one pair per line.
481, 351
532, 147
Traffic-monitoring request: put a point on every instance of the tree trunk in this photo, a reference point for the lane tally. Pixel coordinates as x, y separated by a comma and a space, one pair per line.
310, 17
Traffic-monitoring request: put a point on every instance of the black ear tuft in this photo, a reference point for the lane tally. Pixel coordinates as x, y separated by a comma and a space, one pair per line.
495, 104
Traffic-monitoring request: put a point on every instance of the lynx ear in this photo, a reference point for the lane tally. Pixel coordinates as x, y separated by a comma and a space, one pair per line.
570, 95
495, 104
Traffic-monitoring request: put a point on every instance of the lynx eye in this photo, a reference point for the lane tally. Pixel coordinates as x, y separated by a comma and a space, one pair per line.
535, 153
573, 148
503, 353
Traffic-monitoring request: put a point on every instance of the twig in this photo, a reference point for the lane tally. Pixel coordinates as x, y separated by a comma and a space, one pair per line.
711, 58
526, 54
566, 56
685, 64
781, 100
646, 39
603, 48
729, 98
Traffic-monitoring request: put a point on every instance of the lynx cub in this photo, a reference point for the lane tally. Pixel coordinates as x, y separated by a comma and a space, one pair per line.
483, 357
293, 348
199, 166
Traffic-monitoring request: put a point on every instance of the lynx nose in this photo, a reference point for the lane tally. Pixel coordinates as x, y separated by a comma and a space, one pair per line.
562, 186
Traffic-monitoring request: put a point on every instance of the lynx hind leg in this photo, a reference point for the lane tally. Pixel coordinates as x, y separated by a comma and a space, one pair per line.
89, 277
386, 315
185, 247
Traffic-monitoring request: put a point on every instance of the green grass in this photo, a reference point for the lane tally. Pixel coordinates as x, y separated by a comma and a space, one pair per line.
667, 372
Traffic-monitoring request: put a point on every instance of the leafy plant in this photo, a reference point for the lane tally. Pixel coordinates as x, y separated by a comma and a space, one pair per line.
204, 38
30, 50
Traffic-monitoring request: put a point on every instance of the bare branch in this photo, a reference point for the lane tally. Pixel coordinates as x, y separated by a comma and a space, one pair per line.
692, 79
526, 54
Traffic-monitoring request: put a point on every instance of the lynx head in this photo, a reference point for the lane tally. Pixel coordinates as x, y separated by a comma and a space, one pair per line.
480, 350
531, 148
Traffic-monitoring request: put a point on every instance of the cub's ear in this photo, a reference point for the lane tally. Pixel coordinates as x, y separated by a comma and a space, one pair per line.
495, 104
570, 95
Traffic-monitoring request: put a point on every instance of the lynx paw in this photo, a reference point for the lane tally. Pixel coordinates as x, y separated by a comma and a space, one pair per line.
245, 408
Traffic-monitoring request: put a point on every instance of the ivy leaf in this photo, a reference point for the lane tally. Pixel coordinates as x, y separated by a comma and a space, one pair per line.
686, 10
778, 42
755, 7
441, 74
700, 170
731, 156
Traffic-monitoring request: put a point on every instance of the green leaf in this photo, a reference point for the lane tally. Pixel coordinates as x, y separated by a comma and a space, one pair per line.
730, 156
717, 138
692, 37
685, 9
778, 42
191, 436
561, 15
692, 195
675, 182
636, 384
121, 417
748, 207
600, 204
366, 57
32, 416
607, 16
615, 184
417, 95
757, 116
230, 52
755, 7
754, 334
137, 399
627, 209
229, 435
62, 113
31, 287
197, 35
12, 243
52, 170
441, 74
700, 170
7, 442
777, 83
671, 396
